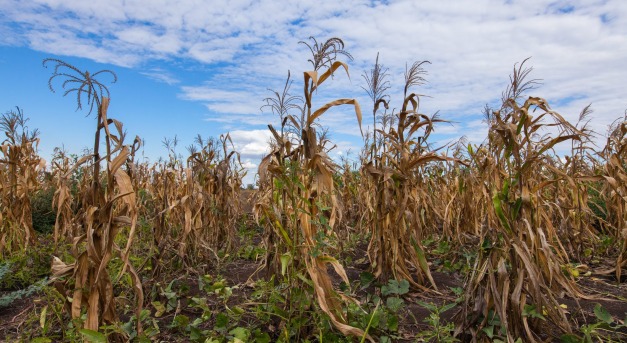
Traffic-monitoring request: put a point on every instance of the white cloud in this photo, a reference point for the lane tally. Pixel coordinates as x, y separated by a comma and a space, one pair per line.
161, 75
251, 144
249, 165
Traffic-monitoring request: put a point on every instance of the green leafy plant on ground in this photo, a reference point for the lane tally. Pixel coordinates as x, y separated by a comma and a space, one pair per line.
605, 329
380, 311
439, 331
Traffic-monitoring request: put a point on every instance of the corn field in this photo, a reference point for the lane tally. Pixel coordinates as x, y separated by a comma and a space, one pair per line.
519, 238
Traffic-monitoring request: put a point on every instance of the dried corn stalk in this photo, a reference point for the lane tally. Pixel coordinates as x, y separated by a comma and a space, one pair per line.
68, 175
20, 167
299, 203
107, 206
521, 255
614, 191
400, 203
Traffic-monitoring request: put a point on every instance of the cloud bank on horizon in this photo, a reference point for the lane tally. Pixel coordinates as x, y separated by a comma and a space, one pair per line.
577, 47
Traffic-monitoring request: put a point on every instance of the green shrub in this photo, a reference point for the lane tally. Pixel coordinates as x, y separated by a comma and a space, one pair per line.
24, 269
44, 215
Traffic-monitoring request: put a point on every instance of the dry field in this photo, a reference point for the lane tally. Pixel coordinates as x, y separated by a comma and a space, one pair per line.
503, 241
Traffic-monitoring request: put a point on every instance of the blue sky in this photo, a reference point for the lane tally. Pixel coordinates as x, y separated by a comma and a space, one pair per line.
190, 67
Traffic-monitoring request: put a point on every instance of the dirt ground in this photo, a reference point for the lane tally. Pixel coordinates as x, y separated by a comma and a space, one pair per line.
610, 295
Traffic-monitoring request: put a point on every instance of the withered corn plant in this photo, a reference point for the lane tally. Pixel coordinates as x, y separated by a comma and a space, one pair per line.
377, 87
289, 109
143, 177
352, 199
189, 204
614, 192
298, 202
108, 207
519, 269
462, 196
281, 160
20, 167
68, 174
435, 178
162, 189
101, 218
400, 191
217, 179
567, 196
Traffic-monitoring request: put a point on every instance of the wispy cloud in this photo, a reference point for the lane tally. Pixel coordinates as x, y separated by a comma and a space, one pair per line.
161, 75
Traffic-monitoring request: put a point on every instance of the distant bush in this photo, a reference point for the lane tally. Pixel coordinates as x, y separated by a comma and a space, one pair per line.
43, 213
25, 268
